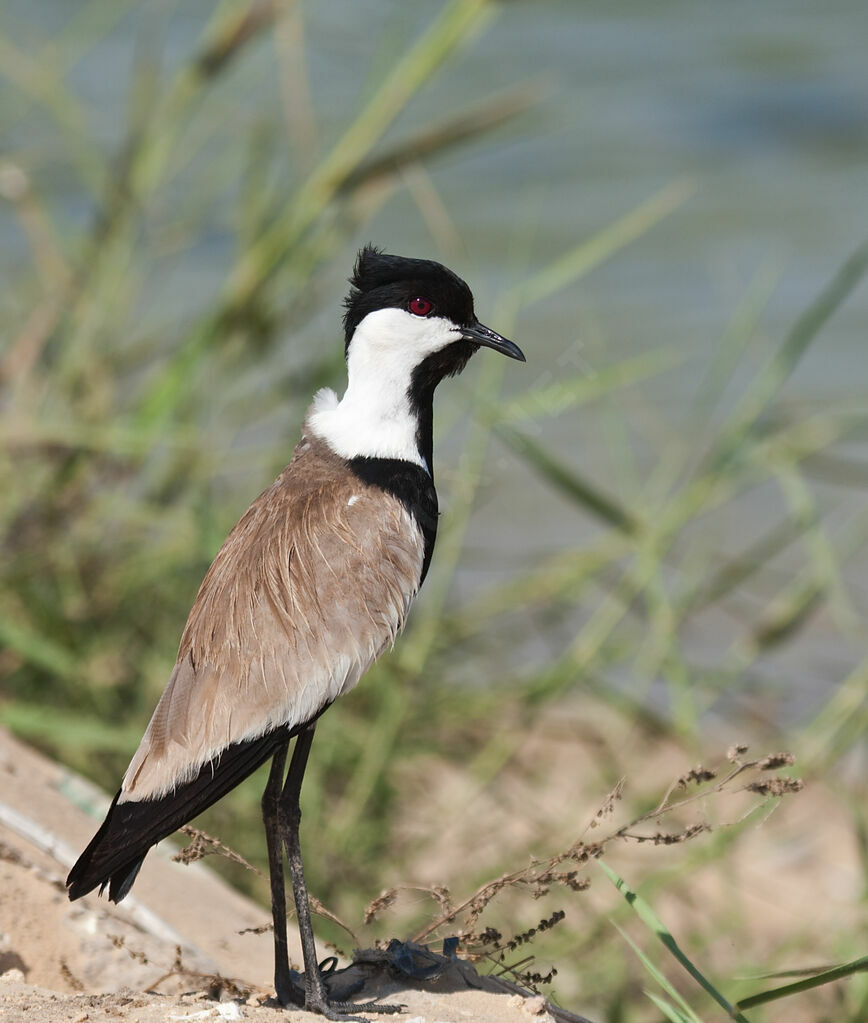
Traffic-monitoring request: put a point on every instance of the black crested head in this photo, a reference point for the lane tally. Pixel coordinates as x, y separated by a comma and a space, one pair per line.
409, 323
383, 281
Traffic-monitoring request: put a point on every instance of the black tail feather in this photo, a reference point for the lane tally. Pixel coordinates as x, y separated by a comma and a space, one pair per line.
122, 880
117, 850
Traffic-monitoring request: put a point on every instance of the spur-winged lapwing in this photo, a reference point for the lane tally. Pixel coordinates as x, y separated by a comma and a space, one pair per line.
310, 587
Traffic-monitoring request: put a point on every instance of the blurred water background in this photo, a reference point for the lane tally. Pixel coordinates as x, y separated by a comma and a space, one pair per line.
664, 510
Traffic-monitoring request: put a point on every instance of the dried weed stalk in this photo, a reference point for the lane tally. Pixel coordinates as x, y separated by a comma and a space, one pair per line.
204, 845
70, 977
214, 985
439, 893
563, 869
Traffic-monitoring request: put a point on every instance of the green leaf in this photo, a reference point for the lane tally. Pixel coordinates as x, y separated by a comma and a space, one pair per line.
597, 249
568, 481
769, 382
647, 915
684, 1010
826, 977
67, 729
37, 648
669, 1011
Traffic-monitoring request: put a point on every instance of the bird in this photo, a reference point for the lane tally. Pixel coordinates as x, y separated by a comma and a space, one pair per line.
311, 585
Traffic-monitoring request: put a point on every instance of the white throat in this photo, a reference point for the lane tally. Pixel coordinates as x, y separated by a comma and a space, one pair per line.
375, 417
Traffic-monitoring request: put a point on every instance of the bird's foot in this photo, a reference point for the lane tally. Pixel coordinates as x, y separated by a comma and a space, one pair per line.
328, 997
293, 991
342, 1011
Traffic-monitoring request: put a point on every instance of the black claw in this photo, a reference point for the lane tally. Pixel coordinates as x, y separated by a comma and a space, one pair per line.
340, 1011
384, 1008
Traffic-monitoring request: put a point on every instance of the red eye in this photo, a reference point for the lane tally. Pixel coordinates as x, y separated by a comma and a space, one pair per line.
420, 306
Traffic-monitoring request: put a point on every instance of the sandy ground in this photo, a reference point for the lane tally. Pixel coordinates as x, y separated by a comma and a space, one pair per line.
173, 950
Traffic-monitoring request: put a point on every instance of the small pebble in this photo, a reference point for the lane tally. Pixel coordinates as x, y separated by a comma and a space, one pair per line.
535, 1005
13, 976
229, 1011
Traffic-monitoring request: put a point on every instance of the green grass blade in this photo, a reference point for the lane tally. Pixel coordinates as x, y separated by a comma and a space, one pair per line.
596, 250
841, 720
551, 399
739, 569
827, 566
826, 977
736, 339
67, 729
37, 80
785, 360
670, 1011
469, 124
684, 1010
166, 393
647, 915
568, 481
456, 22
37, 648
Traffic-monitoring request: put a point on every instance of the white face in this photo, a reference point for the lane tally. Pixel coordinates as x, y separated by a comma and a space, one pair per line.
392, 343
374, 417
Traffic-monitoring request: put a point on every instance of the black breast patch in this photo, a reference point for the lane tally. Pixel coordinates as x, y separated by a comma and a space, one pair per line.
412, 486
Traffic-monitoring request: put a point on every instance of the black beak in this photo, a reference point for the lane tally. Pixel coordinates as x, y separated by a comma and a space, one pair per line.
491, 339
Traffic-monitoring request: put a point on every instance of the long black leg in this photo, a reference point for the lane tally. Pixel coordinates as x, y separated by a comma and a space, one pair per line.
290, 819
316, 997
287, 992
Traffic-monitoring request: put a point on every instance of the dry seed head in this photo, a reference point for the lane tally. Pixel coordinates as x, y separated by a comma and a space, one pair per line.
734, 752
581, 852
442, 894
531, 980
575, 883
262, 929
383, 901
204, 845
490, 936
696, 776
543, 925
775, 760
776, 786
662, 838
608, 806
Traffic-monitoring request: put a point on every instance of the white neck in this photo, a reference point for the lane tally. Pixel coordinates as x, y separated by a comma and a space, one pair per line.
363, 424
375, 418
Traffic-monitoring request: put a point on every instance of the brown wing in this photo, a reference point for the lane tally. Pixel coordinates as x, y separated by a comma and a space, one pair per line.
311, 585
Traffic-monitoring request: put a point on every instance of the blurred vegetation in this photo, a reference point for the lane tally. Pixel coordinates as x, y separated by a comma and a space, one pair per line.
132, 438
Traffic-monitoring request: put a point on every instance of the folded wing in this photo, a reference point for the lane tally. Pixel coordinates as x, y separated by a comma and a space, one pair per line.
310, 586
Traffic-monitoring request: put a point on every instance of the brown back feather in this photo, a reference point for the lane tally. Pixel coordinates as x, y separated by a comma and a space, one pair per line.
310, 586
